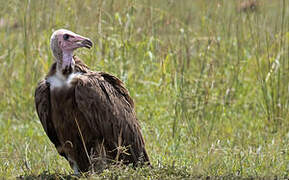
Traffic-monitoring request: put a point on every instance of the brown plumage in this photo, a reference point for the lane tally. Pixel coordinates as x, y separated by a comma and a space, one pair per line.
88, 116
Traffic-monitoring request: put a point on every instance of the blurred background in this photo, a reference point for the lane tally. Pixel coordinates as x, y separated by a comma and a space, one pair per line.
209, 78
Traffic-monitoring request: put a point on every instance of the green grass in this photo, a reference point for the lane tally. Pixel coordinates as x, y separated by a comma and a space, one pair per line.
210, 83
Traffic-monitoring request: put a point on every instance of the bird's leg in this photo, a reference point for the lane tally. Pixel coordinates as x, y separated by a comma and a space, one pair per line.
75, 169
74, 166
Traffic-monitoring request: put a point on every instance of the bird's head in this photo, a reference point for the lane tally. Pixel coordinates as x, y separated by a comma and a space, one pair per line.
65, 41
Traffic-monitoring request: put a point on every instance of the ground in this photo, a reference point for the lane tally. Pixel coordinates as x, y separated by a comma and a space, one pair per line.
209, 79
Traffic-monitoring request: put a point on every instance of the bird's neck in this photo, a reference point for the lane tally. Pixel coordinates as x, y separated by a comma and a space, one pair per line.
67, 59
66, 64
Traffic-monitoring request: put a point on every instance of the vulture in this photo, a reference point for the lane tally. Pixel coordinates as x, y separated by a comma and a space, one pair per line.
89, 116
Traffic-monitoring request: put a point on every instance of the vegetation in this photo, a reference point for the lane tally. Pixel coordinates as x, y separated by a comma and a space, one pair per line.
210, 82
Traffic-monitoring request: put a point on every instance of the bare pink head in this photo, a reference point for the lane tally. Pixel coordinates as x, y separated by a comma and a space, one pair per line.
63, 42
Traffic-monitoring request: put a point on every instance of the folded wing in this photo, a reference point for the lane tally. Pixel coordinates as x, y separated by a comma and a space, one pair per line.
109, 111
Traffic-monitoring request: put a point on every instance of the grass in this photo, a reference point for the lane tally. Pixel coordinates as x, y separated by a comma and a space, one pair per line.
210, 83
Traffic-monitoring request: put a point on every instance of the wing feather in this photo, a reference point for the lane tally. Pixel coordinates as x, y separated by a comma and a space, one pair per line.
43, 108
109, 110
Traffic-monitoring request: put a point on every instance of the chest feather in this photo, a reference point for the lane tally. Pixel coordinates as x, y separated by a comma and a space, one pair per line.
59, 81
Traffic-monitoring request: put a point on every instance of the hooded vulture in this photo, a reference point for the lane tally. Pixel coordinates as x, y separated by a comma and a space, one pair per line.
88, 116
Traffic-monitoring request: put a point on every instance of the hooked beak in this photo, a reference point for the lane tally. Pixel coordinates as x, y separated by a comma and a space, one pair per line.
86, 43
83, 42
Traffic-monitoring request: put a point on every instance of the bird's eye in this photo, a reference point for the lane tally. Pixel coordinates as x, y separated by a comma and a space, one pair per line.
65, 36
